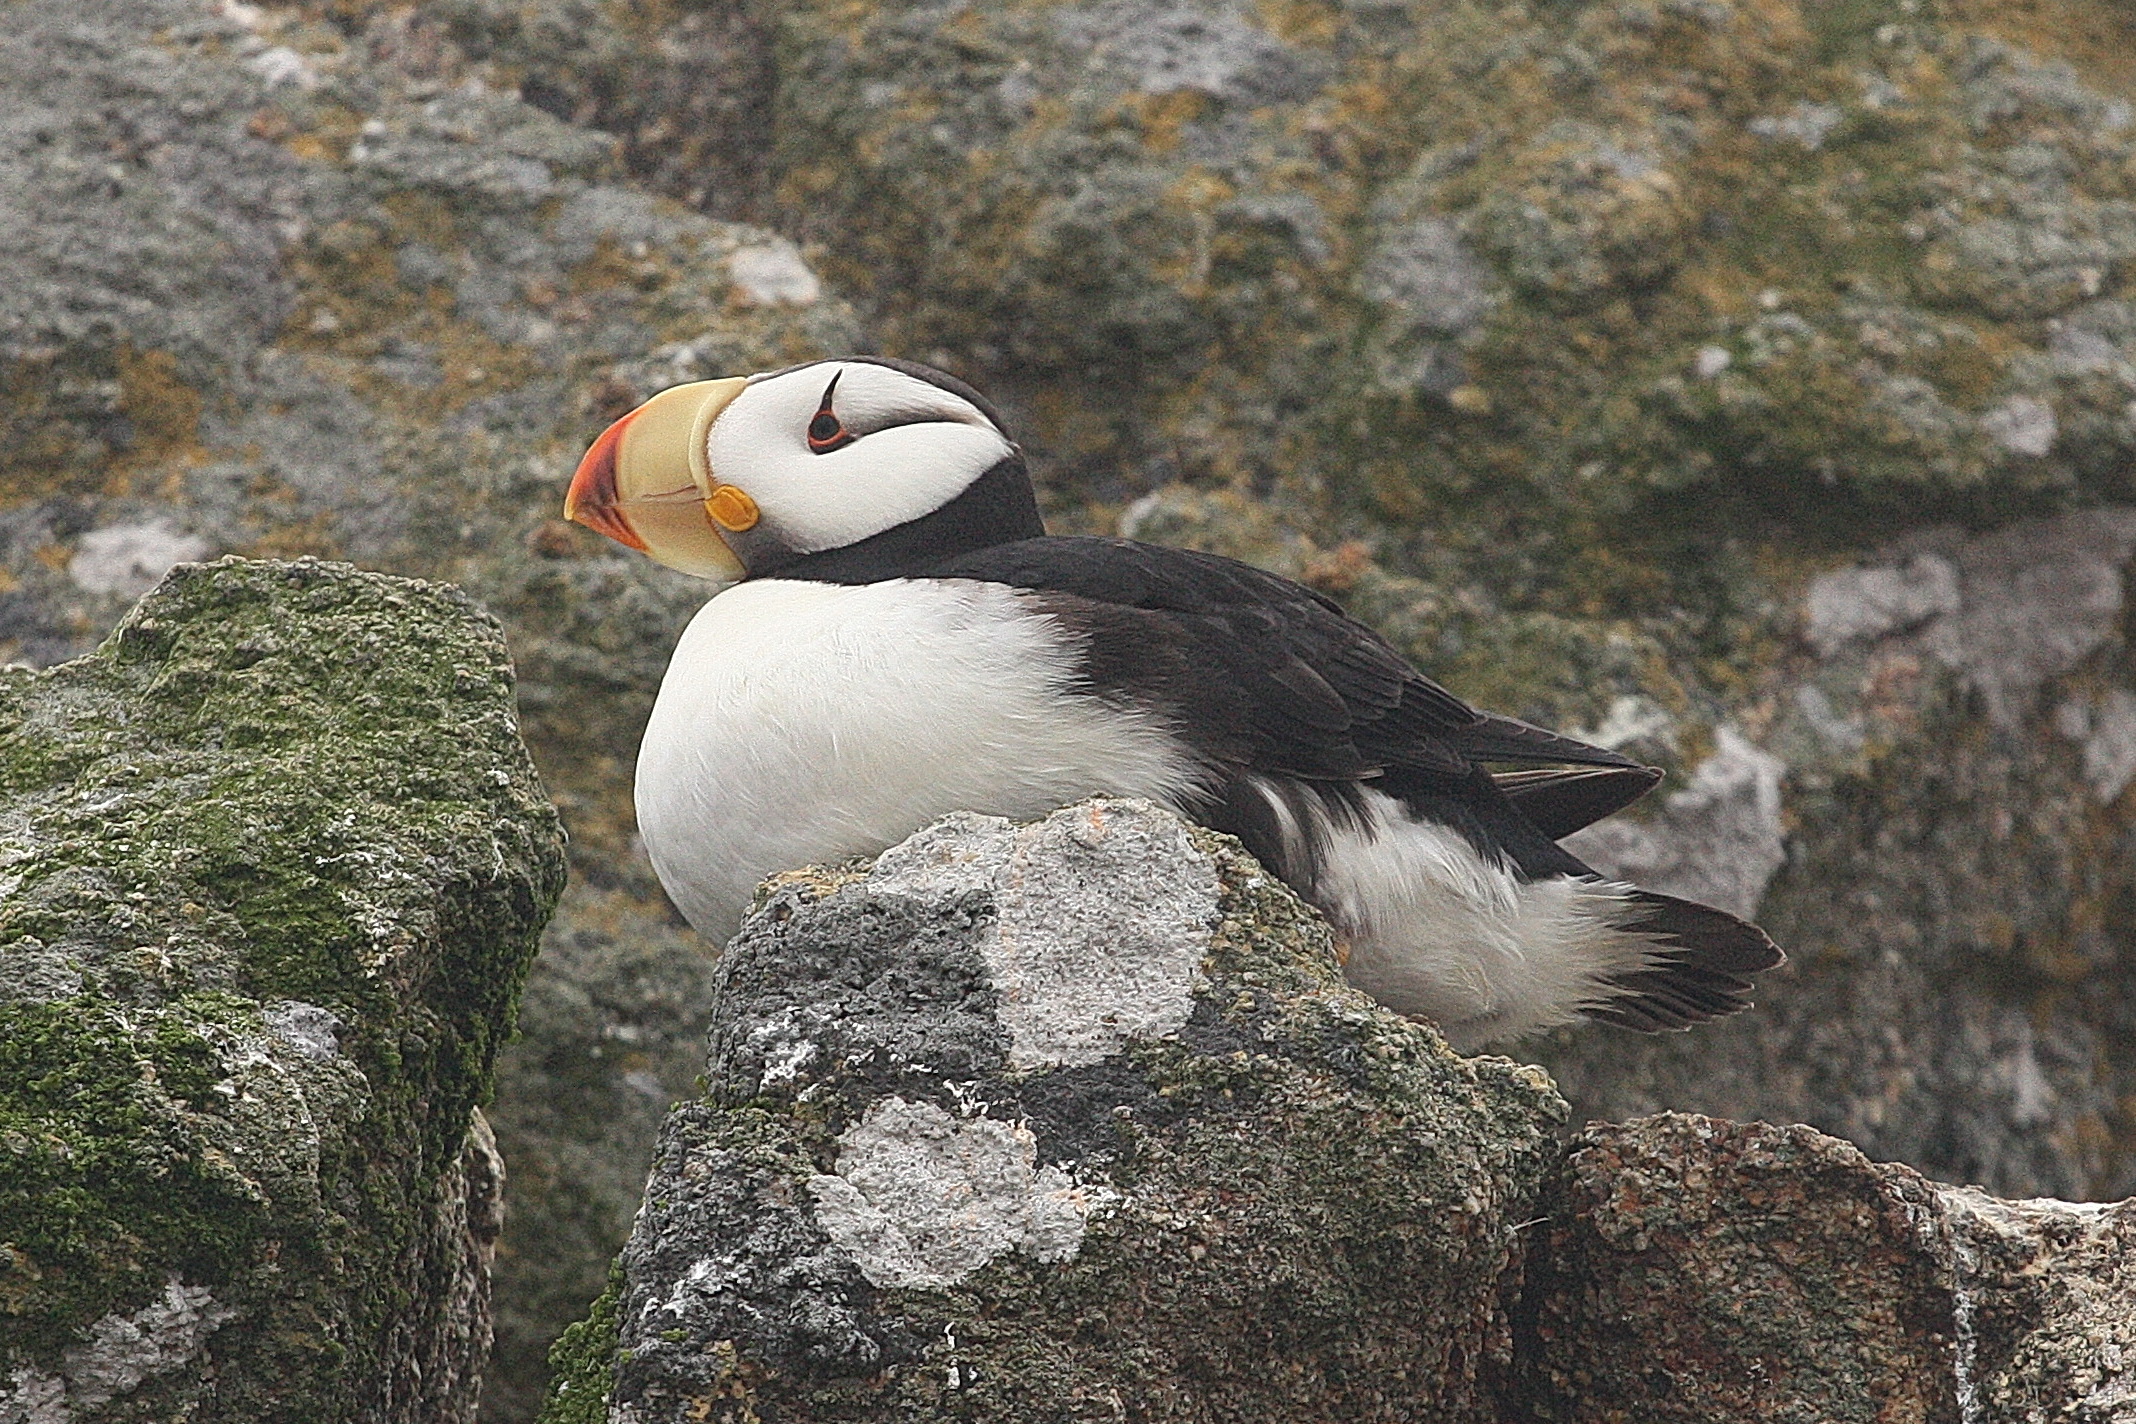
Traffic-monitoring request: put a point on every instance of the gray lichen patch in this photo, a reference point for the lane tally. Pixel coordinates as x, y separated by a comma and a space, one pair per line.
921, 1198
275, 860
2009, 610
1117, 874
1719, 840
1289, 1201
120, 1352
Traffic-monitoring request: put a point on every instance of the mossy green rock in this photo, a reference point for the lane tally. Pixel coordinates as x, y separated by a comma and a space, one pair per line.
273, 863
295, 280
1059, 1121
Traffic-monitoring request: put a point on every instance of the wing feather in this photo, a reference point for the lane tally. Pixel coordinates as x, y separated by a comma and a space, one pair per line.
1265, 663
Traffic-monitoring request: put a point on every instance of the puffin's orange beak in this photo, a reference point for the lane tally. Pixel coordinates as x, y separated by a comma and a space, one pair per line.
593, 499
647, 483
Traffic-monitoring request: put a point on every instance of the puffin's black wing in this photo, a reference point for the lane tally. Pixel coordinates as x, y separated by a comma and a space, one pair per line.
1269, 677
1273, 676
1561, 801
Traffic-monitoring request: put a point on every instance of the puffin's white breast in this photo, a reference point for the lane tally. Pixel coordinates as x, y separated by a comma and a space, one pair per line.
807, 722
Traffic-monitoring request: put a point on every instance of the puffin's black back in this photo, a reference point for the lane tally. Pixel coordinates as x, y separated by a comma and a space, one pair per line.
1268, 680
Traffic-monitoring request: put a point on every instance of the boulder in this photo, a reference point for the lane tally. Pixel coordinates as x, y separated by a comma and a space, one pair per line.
1694, 1269
1060, 1121
273, 862
1077, 1120
302, 283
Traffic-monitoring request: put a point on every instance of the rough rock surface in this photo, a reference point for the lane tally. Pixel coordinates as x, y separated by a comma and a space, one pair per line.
1687, 372
294, 281
1695, 1270
272, 864
1076, 1120
1065, 1121
1817, 260
1949, 863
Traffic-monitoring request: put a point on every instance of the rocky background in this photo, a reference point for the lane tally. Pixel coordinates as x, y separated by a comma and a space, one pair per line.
1747, 383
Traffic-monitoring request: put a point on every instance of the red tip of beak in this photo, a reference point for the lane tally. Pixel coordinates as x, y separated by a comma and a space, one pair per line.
593, 498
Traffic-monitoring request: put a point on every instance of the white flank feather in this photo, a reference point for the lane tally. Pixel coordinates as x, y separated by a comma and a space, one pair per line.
1438, 931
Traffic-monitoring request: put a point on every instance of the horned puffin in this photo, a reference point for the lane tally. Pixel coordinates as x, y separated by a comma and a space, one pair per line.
897, 637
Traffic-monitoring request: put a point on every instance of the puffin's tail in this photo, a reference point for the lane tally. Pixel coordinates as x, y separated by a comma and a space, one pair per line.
1700, 970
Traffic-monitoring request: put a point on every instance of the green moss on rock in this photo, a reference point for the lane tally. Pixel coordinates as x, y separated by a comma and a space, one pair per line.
582, 1362
274, 863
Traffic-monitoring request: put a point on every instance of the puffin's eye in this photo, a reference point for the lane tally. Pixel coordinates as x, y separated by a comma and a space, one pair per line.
826, 433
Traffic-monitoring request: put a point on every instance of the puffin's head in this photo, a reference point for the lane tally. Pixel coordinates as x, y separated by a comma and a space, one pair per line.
743, 476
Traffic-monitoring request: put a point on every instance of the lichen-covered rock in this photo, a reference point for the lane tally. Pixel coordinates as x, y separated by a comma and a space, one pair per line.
1695, 1270
1622, 259
684, 88
272, 864
298, 280
1068, 1119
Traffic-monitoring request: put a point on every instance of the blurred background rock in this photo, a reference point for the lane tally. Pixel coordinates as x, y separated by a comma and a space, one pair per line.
1750, 384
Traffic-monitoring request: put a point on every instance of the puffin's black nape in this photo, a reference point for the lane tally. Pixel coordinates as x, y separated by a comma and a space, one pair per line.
996, 508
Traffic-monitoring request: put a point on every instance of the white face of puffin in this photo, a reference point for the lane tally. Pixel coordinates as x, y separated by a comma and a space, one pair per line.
719, 478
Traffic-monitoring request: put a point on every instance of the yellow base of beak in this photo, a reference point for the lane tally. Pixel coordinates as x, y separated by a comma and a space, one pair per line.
646, 483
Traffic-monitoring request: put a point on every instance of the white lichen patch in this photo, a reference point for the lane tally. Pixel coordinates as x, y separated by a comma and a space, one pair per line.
2009, 611
2040, 597
2106, 733
309, 1029
130, 559
921, 1198
773, 274
2023, 425
1103, 914
1863, 604
120, 1352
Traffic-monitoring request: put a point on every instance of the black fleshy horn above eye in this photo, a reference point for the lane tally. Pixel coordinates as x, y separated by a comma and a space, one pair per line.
826, 432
